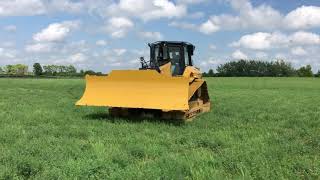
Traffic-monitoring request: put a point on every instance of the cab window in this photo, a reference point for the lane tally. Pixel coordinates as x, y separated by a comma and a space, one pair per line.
186, 56
175, 57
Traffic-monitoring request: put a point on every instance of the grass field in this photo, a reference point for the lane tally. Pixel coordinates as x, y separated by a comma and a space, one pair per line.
259, 128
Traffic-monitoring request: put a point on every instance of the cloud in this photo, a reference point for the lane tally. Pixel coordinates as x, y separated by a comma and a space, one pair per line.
191, 1
21, 7
151, 35
138, 52
118, 27
257, 41
263, 40
196, 15
56, 32
41, 7
74, 52
10, 28
67, 6
101, 43
247, 17
239, 55
134, 62
211, 63
164, 8
262, 17
119, 52
77, 58
50, 48
8, 44
46, 40
299, 51
183, 25
261, 55
39, 48
74, 47
116, 64
7, 53
299, 48
281, 56
304, 17
208, 27
212, 47
143, 9
305, 38
147, 9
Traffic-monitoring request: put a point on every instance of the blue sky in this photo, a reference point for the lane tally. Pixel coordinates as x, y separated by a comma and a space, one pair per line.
112, 34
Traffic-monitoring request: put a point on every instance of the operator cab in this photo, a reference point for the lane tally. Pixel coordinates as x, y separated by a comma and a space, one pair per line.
178, 53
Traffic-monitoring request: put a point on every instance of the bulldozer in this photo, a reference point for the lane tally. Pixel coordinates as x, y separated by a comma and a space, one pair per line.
167, 86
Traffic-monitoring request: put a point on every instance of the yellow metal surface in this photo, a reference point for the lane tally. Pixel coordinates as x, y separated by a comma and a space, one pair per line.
166, 69
136, 89
192, 73
194, 86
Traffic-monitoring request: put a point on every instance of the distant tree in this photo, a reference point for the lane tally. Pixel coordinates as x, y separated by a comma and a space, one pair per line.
17, 69
205, 74
37, 69
90, 72
48, 70
81, 71
318, 74
254, 68
21, 69
280, 68
210, 73
59, 70
71, 70
1, 70
305, 71
9, 69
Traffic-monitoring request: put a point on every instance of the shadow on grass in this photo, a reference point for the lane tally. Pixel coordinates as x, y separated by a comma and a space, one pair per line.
133, 119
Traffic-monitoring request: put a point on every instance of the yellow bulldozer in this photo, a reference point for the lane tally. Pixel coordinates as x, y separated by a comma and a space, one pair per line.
168, 86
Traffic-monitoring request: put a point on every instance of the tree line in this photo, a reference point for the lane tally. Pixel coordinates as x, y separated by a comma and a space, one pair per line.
17, 69
241, 68
46, 70
252, 68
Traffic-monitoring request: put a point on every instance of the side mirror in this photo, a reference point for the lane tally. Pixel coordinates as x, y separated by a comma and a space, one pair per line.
144, 64
142, 59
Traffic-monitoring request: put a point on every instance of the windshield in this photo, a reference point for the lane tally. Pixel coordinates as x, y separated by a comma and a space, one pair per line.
161, 55
175, 57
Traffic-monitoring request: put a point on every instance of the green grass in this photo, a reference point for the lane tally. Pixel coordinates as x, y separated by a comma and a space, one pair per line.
259, 128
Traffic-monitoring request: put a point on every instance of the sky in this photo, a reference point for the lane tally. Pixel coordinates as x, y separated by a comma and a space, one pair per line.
102, 35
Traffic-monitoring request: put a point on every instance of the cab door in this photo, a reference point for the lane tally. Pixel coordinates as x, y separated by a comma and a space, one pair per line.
176, 57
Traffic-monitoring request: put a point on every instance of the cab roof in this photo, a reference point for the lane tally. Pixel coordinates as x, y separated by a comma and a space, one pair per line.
172, 42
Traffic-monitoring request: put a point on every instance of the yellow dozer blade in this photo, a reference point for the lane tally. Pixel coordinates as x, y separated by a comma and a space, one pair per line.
137, 89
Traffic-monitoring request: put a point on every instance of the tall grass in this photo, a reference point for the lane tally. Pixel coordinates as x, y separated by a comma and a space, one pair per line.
259, 128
